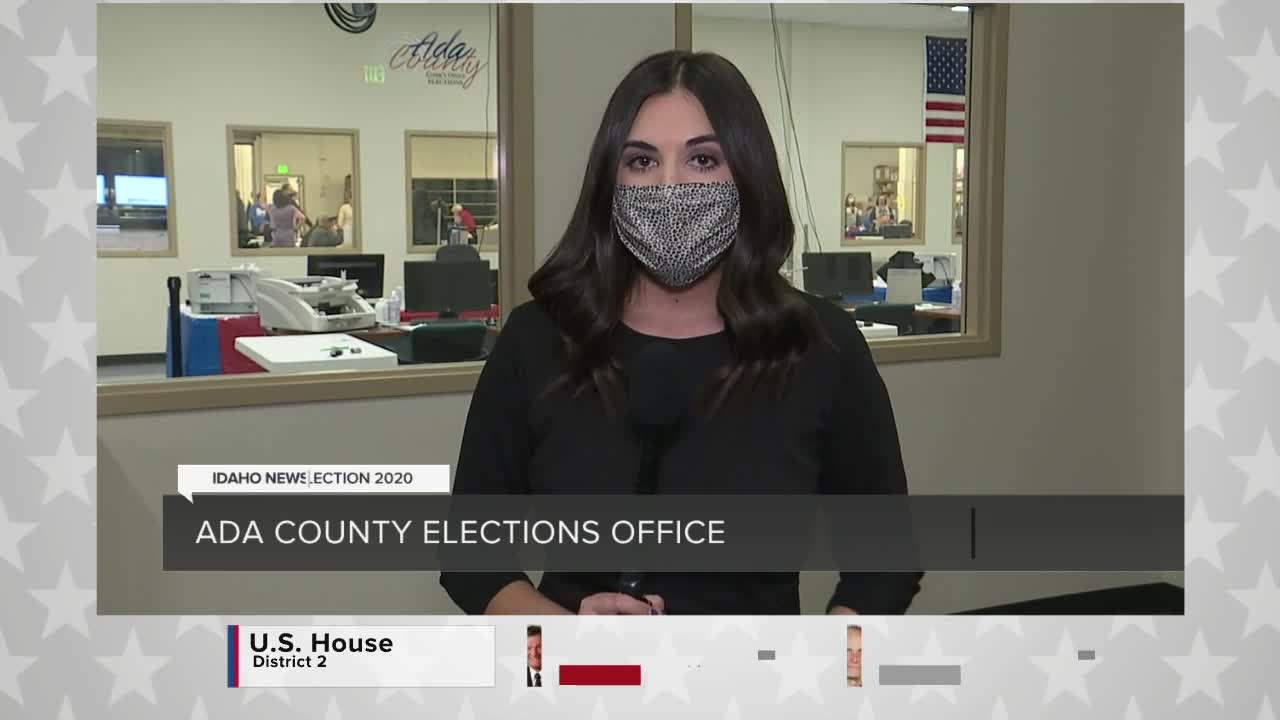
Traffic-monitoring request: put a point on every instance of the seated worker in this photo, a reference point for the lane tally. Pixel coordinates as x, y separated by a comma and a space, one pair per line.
323, 235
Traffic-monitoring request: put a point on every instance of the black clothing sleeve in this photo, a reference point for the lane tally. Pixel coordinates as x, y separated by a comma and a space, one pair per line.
861, 455
495, 450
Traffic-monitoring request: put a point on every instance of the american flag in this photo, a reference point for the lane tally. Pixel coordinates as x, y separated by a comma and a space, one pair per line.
944, 102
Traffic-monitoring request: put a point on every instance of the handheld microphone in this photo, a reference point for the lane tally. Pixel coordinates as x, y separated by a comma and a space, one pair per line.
657, 398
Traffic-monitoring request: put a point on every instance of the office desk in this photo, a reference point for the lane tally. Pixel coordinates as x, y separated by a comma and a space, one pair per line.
929, 311
308, 353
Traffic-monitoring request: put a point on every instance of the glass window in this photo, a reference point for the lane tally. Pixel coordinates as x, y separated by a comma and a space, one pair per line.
453, 190
293, 190
134, 189
868, 106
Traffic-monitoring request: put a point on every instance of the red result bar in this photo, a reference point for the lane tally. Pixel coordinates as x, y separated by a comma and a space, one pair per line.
599, 674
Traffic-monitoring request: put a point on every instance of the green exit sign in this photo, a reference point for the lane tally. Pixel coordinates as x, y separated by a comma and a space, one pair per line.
282, 169
375, 74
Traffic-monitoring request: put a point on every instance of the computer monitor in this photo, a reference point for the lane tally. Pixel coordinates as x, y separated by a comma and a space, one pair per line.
102, 190
448, 288
141, 191
366, 270
838, 274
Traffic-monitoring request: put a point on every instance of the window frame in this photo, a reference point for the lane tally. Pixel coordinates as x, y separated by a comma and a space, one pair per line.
988, 86
917, 223
514, 93
171, 211
409, 135
263, 252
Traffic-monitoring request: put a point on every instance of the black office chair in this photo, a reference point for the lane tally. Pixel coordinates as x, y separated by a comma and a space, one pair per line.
902, 315
457, 254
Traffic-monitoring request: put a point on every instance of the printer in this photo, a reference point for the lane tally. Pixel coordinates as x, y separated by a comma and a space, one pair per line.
222, 292
312, 304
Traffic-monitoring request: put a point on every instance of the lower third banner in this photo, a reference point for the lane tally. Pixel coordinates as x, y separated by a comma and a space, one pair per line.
360, 656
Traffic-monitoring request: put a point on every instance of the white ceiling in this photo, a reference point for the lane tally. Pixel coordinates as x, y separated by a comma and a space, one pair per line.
932, 18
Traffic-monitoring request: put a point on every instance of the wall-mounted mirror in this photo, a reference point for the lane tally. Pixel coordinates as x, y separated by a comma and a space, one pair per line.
293, 190
452, 190
134, 188
883, 193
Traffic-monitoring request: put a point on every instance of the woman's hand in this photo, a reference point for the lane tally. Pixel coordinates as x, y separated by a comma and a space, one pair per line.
609, 603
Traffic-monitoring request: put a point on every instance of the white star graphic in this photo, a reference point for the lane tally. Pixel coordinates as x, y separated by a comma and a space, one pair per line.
252, 694
1264, 712
745, 623
1203, 270
664, 671
466, 712
64, 710
1262, 202
11, 399
599, 712
12, 533
198, 711
1067, 673
1204, 403
12, 266
932, 655
65, 71
865, 711
66, 604
1132, 712
67, 205
801, 672
332, 712
1203, 536
132, 671
999, 711
1262, 68
212, 623
66, 337
1145, 623
1204, 13
11, 666
1263, 603
731, 711
987, 623
1203, 136
9, 15
1199, 671
65, 471
1263, 336
11, 134
1262, 469
387, 693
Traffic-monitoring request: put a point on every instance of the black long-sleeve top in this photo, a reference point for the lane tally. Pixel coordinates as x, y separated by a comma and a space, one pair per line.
831, 431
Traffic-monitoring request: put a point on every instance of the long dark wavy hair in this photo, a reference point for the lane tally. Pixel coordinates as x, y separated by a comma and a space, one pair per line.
586, 280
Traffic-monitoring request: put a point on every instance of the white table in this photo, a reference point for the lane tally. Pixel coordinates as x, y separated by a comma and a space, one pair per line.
878, 330
310, 353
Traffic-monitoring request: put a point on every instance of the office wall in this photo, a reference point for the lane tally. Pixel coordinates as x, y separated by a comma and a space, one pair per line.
225, 67
323, 162
575, 70
453, 157
1086, 396
847, 84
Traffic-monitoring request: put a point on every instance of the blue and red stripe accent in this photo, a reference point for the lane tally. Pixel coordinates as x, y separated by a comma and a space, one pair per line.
233, 656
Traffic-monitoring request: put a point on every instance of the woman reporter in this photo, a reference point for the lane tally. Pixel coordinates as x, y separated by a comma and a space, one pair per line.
680, 230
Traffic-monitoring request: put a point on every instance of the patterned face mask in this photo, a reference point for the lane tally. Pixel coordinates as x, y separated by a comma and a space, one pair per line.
677, 232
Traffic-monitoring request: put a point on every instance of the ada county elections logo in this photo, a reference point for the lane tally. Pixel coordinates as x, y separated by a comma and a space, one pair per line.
441, 61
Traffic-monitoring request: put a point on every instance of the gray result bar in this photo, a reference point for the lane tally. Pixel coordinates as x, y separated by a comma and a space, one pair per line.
1086, 655
766, 654
919, 674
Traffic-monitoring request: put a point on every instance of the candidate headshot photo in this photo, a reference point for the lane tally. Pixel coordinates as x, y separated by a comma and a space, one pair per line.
533, 674
853, 657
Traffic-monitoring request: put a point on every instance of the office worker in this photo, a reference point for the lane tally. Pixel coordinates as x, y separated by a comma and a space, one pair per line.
285, 218
324, 234
548, 414
346, 218
883, 212
853, 657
